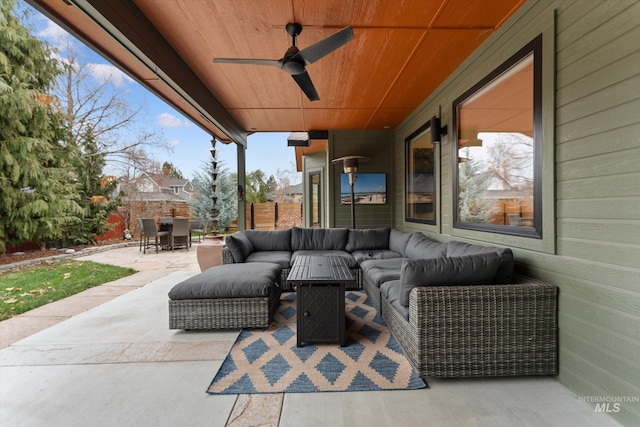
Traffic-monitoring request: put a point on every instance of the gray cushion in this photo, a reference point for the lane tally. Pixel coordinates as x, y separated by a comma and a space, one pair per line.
351, 262
319, 239
466, 270
239, 246
254, 279
420, 246
398, 241
276, 240
391, 292
282, 258
380, 271
505, 271
374, 238
364, 255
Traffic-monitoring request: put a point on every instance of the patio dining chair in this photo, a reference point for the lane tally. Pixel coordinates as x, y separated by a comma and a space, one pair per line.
141, 229
180, 230
151, 230
199, 228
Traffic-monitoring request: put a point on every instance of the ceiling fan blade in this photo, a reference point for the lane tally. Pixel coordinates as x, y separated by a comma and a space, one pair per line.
272, 62
305, 83
326, 46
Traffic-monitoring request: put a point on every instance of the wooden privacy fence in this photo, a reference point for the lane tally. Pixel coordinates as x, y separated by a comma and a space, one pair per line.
271, 216
504, 212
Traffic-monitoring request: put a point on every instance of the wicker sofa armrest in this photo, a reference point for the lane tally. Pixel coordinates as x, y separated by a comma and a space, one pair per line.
495, 330
227, 258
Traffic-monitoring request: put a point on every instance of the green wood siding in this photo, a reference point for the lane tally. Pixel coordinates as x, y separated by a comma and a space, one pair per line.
592, 151
378, 146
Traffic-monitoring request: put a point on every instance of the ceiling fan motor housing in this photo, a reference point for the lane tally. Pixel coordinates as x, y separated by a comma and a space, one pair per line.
293, 29
291, 63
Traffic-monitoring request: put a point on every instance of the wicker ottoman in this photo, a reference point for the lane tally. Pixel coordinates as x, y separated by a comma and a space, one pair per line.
226, 296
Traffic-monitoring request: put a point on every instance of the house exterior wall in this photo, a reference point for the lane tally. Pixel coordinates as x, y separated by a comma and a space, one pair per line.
378, 146
146, 185
591, 203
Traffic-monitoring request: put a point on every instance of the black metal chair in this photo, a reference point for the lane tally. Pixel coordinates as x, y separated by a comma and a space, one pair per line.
151, 230
180, 230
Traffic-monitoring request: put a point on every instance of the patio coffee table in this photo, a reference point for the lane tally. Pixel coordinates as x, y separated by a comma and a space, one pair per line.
320, 282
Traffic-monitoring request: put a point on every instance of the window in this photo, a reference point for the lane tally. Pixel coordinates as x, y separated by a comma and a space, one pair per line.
420, 183
497, 160
314, 190
176, 190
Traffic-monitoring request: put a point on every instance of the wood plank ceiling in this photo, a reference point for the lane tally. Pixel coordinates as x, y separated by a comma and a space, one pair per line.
401, 52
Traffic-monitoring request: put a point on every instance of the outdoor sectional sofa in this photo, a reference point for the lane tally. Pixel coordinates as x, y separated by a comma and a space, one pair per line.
456, 309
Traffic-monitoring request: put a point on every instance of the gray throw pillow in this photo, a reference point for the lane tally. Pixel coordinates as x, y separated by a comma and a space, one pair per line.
319, 239
422, 247
505, 271
275, 240
239, 246
465, 270
375, 238
398, 241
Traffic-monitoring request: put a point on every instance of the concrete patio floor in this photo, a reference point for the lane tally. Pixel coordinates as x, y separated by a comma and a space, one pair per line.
106, 357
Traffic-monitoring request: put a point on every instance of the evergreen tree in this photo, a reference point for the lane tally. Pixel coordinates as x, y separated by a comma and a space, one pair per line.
257, 188
227, 202
472, 182
170, 170
37, 195
95, 191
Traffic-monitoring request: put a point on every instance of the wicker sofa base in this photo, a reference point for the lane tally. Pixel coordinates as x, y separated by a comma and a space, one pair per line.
224, 313
373, 292
479, 331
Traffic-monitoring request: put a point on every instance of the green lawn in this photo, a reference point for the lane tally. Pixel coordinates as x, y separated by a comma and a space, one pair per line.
32, 287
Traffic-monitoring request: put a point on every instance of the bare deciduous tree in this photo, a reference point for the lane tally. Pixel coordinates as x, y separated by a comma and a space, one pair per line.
103, 107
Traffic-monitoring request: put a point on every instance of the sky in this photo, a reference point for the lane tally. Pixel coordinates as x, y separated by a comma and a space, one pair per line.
191, 145
365, 183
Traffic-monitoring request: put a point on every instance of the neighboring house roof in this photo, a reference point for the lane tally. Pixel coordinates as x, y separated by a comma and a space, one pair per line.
159, 187
167, 181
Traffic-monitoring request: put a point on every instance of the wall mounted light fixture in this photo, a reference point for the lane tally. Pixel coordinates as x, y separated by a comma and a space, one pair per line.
436, 130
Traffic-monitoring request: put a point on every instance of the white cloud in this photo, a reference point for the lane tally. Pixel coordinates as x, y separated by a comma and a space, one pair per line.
54, 32
174, 142
106, 73
171, 121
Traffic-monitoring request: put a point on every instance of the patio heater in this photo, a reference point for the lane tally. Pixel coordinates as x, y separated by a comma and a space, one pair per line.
350, 166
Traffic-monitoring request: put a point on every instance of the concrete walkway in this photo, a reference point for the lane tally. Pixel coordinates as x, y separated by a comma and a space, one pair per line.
150, 266
106, 357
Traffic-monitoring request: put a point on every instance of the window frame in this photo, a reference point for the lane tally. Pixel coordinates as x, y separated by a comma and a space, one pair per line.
423, 130
533, 47
311, 175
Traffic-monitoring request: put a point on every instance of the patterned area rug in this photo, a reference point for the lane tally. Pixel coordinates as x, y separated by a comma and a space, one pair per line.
268, 361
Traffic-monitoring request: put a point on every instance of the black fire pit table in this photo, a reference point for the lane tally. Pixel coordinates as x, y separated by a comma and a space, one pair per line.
320, 282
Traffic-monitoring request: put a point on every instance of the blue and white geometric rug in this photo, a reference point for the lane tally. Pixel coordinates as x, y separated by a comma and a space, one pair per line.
268, 361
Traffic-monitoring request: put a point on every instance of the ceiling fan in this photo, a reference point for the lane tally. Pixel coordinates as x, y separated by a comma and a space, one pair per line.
295, 60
